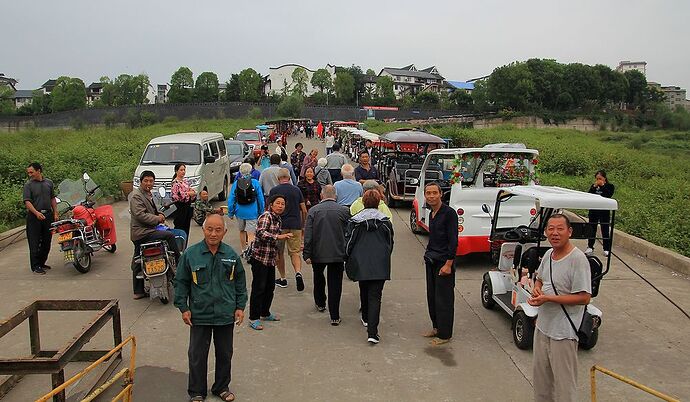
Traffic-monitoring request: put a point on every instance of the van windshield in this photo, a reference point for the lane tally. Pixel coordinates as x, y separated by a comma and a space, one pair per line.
248, 136
497, 169
170, 154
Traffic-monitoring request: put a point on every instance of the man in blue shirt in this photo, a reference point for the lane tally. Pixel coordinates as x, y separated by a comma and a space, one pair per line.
348, 189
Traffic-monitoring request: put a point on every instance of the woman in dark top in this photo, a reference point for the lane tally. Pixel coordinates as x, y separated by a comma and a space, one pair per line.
311, 189
603, 188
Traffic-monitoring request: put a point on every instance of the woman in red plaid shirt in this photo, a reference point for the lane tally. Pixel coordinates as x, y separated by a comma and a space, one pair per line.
263, 261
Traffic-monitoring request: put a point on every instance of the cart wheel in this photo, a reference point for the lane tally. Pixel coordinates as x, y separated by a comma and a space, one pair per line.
82, 258
110, 248
164, 300
592, 342
413, 223
389, 200
523, 330
487, 293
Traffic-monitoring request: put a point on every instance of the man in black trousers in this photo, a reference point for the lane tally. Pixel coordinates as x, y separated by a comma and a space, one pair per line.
41, 207
439, 259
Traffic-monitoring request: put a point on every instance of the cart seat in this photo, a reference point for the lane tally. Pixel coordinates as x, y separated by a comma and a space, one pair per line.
595, 268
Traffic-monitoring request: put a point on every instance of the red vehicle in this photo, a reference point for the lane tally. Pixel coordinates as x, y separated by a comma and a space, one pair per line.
251, 138
87, 231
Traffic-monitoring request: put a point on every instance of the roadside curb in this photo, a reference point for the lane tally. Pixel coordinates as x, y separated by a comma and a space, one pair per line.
643, 248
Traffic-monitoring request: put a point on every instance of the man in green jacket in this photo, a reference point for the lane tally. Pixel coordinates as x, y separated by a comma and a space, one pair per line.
211, 293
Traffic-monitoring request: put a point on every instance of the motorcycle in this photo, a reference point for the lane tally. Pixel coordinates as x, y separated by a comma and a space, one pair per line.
88, 229
157, 262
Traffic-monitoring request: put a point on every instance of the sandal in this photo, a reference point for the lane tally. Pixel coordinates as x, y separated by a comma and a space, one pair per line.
197, 398
226, 396
256, 325
439, 341
271, 317
430, 334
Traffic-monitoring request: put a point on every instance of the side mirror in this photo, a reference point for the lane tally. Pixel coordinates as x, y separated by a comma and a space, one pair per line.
209, 159
86, 177
161, 192
486, 209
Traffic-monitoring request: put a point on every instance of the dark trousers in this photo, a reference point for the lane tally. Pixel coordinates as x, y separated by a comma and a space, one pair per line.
604, 219
138, 283
263, 286
183, 216
335, 286
440, 297
199, 344
336, 175
38, 235
370, 298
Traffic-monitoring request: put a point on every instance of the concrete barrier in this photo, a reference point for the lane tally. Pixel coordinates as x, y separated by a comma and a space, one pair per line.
660, 255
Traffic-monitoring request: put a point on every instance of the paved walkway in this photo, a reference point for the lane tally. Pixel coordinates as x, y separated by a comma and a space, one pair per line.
305, 358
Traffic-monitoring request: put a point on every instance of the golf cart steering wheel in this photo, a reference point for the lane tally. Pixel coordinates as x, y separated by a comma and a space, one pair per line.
520, 233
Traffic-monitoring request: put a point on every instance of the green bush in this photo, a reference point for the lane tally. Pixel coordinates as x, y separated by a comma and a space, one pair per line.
109, 120
291, 106
78, 123
169, 120
255, 113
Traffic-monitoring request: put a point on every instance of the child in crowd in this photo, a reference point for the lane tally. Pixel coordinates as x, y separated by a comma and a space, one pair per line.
202, 207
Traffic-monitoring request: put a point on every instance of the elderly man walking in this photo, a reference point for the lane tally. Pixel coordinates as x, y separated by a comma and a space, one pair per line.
246, 202
348, 188
41, 208
562, 290
336, 161
211, 293
324, 248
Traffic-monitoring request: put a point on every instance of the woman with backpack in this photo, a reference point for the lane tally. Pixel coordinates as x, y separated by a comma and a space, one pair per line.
246, 202
323, 176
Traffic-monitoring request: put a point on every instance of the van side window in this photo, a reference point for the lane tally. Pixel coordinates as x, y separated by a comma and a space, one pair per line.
207, 151
221, 148
214, 149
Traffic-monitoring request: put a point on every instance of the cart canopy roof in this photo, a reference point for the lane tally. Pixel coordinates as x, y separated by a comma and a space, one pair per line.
491, 148
558, 197
412, 136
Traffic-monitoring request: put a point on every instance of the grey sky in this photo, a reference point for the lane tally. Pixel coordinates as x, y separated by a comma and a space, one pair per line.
90, 38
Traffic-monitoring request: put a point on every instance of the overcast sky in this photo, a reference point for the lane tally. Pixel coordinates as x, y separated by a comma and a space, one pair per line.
89, 39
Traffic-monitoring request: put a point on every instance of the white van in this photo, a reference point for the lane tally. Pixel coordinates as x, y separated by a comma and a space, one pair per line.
204, 154
471, 177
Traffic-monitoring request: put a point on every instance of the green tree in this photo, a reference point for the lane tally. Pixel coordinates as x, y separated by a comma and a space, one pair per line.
428, 98
69, 94
300, 81
321, 79
384, 91
291, 106
181, 86
125, 90
206, 87
480, 97
250, 85
371, 72
6, 102
461, 99
232, 90
637, 88
41, 103
344, 85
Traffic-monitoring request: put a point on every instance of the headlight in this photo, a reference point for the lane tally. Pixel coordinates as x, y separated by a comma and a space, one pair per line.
136, 182
236, 163
194, 181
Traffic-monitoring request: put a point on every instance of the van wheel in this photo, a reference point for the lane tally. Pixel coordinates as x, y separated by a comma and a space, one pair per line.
224, 194
523, 330
413, 223
487, 293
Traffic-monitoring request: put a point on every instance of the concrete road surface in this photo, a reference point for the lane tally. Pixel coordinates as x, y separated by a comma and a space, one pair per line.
304, 358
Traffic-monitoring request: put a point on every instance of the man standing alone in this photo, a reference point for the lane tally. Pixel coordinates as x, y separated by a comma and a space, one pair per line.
41, 207
324, 248
439, 259
211, 293
563, 286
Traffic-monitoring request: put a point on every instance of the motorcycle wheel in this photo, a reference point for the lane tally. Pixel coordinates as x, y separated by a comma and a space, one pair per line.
111, 248
82, 258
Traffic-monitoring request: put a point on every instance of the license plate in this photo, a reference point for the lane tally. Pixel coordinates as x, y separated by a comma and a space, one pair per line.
154, 266
64, 237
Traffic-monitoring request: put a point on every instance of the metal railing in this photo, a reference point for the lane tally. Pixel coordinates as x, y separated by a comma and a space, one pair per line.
127, 372
593, 380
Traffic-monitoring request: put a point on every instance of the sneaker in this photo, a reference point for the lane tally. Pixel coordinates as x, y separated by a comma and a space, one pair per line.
335, 323
363, 322
321, 309
282, 282
374, 339
299, 281
606, 253
589, 251
46, 267
39, 271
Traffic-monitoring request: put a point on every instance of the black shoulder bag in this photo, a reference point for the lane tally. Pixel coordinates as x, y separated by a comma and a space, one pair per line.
586, 330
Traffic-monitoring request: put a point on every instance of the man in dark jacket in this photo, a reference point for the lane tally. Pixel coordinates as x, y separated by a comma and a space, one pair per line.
211, 293
439, 259
324, 247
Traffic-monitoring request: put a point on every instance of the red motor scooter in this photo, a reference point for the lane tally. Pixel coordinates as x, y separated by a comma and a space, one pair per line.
88, 230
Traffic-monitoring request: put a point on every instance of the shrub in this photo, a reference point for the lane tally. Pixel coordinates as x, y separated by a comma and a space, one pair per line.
255, 113
291, 106
77, 123
169, 120
109, 120
147, 118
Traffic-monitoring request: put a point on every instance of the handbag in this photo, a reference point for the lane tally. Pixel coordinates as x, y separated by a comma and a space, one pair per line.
586, 330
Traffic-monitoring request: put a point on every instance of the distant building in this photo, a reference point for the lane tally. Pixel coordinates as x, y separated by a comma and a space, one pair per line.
279, 79
410, 81
625, 65
162, 93
22, 97
674, 96
453, 86
7, 81
48, 86
94, 92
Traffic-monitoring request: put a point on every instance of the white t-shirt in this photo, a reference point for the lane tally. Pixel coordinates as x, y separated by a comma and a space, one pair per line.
571, 274
330, 140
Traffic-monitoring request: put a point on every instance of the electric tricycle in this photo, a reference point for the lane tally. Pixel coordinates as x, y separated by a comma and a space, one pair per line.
510, 284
